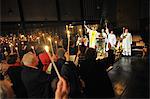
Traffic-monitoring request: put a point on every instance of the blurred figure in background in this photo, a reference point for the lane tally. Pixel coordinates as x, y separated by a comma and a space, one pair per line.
95, 77
126, 43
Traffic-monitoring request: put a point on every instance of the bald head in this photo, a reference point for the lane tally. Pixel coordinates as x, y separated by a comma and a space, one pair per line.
30, 59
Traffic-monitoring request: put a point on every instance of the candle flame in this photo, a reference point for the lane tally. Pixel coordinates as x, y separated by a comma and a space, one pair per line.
32, 47
38, 38
49, 39
55, 41
10, 45
80, 30
16, 48
46, 48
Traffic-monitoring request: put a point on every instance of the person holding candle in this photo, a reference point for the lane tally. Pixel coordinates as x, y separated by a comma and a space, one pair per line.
71, 72
93, 73
38, 83
126, 42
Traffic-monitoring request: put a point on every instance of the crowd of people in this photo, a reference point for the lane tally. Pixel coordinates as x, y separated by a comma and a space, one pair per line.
29, 71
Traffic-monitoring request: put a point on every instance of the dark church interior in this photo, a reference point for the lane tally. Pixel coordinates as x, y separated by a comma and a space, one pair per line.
65, 49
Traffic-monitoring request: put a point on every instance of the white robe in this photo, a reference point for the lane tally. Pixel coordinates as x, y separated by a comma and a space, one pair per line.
112, 40
126, 43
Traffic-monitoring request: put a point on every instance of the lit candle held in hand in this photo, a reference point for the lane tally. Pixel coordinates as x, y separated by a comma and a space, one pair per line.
54, 65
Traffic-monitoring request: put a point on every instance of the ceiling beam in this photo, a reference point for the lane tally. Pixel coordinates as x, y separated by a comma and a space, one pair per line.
58, 10
21, 16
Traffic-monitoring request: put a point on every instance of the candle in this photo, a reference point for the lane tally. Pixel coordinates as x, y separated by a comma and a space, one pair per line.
44, 38
68, 35
5, 48
123, 29
11, 48
54, 65
16, 44
33, 49
22, 43
66, 27
56, 45
17, 51
51, 45
38, 39
80, 30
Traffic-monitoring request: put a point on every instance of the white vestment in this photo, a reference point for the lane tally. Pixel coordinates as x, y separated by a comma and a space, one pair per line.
126, 43
112, 40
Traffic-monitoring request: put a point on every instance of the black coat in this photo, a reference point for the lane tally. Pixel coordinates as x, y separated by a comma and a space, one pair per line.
97, 82
72, 73
37, 83
18, 86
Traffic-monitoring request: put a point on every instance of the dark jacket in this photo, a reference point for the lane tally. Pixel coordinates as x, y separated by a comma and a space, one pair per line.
37, 83
18, 86
97, 82
71, 72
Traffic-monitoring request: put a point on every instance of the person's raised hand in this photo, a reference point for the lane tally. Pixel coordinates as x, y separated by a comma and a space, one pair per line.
67, 56
62, 90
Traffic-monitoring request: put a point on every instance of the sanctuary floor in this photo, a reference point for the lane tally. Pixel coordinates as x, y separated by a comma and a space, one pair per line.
130, 77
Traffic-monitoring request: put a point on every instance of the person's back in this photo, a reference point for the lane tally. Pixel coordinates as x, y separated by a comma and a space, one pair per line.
36, 82
93, 73
18, 86
70, 71
60, 63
